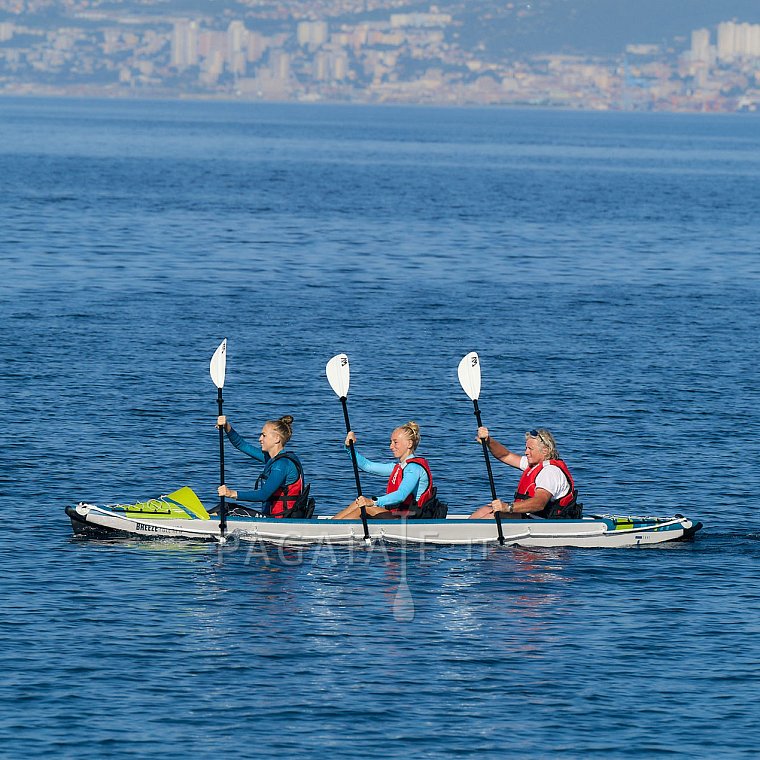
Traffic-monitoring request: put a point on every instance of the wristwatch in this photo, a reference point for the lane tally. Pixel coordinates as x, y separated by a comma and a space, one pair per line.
510, 506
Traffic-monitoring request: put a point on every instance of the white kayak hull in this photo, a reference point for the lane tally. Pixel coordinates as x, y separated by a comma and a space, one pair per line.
596, 531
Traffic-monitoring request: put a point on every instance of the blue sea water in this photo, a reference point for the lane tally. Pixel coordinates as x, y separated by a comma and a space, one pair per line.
606, 267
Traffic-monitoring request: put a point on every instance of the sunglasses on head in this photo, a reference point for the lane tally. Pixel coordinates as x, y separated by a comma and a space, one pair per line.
537, 434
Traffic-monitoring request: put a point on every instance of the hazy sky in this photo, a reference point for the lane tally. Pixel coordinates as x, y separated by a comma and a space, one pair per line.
650, 18
593, 26
606, 26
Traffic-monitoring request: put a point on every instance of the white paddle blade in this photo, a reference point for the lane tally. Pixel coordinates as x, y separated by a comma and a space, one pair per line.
219, 364
339, 375
469, 375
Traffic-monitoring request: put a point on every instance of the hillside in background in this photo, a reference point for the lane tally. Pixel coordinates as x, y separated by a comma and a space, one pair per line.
588, 26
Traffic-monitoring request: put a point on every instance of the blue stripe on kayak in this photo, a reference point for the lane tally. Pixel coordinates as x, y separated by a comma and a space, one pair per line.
192, 515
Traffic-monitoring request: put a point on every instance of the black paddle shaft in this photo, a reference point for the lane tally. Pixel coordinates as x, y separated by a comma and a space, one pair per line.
222, 503
351, 446
497, 515
485, 451
362, 510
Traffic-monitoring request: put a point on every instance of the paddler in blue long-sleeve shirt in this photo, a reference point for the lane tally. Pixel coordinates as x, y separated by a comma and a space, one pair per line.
410, 483
281, 481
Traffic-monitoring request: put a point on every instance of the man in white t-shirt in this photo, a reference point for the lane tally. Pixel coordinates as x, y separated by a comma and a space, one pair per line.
546, 488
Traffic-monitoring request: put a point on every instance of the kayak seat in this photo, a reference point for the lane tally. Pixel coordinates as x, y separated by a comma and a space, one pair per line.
432, 509
303, 507
573, 511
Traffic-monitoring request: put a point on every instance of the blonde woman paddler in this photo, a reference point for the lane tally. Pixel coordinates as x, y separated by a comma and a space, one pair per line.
281, 481
410, 482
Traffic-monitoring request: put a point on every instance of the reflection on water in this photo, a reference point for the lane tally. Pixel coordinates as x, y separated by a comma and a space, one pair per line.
329, 581
403, 602
531, 586
542, 566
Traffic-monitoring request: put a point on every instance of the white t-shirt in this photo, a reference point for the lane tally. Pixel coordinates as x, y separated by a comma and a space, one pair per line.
551, 478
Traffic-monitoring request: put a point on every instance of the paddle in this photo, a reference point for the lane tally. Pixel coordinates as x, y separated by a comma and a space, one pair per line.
339, 376
469, 379
218, 366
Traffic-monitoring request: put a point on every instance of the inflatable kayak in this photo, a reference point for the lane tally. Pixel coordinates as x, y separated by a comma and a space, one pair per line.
182, 515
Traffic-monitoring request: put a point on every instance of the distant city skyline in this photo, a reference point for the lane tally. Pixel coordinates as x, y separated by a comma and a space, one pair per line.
594, 54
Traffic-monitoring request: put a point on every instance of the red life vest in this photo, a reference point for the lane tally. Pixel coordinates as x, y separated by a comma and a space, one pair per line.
526, 489
284, 498
394, 482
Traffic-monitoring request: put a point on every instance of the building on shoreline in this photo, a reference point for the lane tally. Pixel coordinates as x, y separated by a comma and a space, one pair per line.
398, 57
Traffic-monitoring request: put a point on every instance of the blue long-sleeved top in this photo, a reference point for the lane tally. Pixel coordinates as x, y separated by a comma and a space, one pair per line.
276, 472
415, 479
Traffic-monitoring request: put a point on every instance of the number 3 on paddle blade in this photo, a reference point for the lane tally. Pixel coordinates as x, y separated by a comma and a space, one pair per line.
339, 375
469, 375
